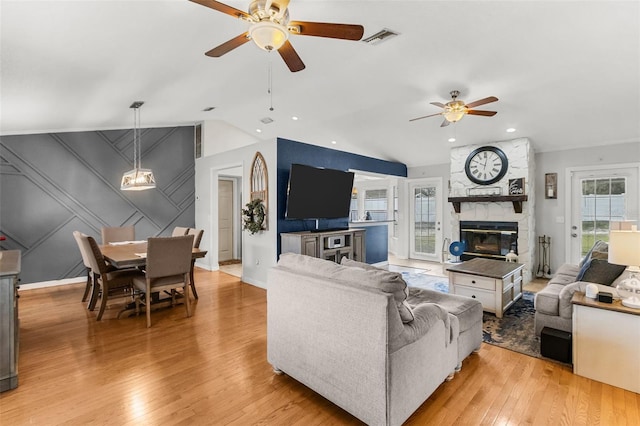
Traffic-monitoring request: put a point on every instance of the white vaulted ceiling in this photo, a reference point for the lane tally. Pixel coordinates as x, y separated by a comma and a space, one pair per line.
567, 73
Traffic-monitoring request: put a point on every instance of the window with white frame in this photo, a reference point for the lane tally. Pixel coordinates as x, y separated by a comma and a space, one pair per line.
376, 204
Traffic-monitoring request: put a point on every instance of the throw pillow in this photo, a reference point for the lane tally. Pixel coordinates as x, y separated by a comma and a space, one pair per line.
599, 245
601, 272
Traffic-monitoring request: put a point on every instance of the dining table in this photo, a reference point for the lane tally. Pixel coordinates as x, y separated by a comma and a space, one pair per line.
133, 254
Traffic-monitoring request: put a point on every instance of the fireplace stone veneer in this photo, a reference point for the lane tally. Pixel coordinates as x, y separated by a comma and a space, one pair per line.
521, 165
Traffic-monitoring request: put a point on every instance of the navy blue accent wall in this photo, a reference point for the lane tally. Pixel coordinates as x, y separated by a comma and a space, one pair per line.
289, 152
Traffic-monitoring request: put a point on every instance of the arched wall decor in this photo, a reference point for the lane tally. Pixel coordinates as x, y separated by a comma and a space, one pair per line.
259, 181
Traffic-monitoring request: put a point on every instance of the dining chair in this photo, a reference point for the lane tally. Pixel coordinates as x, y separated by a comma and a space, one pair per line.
111, 283
179, 231
112, 234
197, 237
86, 262
168, 266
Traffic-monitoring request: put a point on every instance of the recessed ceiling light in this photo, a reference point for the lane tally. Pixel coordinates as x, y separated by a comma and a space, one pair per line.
511, 130
452, 139
294, 118
259, 130
334, 142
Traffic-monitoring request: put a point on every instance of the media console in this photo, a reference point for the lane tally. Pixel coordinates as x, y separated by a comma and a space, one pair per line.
329, 245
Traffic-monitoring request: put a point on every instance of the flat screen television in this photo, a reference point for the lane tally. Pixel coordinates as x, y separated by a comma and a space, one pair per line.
318, 193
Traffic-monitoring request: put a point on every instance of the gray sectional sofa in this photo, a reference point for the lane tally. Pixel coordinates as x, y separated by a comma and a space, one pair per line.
350, 333
553, 305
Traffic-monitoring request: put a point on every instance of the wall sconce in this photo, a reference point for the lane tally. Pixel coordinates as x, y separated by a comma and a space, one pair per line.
551, 185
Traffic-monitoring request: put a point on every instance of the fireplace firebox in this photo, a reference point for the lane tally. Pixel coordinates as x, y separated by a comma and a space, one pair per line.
491, 240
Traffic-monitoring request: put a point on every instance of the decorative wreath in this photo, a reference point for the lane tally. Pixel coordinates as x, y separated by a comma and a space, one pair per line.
253, 216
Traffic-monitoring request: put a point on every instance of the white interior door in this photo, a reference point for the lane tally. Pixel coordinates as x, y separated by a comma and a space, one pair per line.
598, 197
225, 220
425, 224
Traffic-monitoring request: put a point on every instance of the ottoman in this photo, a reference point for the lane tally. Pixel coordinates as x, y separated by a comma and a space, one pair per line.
468, 311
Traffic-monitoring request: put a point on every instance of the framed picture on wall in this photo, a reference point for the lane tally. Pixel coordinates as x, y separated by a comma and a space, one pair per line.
551, 185
516, 186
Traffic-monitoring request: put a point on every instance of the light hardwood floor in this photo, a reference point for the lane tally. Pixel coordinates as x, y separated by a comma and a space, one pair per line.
212, 369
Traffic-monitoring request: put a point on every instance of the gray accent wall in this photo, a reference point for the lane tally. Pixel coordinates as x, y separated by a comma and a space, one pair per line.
52, 184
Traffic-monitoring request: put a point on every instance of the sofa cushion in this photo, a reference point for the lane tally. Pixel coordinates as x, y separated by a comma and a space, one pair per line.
600, 272
466, 309
546, 300
348, 262
379, 279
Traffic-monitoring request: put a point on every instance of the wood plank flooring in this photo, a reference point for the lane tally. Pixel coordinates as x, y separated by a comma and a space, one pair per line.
212, 369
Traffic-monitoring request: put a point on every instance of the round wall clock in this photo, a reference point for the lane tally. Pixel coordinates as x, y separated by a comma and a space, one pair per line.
486, 165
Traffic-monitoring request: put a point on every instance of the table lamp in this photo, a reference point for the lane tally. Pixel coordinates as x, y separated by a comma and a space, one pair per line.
624, 249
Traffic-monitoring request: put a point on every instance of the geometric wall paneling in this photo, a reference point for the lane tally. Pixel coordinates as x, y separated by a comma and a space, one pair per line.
52, 184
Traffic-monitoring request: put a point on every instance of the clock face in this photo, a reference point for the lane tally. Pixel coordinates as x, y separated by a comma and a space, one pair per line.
486, 165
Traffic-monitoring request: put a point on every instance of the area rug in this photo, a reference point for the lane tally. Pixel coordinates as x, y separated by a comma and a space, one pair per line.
514, 331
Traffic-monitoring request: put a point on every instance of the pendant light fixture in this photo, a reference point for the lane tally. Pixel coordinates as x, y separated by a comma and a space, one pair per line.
137, 179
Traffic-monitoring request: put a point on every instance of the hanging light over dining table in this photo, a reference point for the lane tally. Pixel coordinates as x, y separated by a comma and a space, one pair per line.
137, 179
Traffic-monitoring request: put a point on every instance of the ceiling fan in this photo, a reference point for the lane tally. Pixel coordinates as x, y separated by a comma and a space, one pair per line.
269, 28
455, 109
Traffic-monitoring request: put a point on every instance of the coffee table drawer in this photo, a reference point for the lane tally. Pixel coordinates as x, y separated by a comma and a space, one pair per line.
474, 281
487, 298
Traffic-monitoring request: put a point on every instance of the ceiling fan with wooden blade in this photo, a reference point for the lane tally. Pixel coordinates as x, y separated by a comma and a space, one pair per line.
269, 28
455, 109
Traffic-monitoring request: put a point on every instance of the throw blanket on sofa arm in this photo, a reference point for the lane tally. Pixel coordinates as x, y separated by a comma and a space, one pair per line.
426, 316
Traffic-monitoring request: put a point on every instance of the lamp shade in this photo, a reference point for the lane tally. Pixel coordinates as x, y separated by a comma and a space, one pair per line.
624, 247
138, 180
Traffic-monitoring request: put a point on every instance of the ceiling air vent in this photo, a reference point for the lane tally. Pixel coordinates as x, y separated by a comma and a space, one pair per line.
267, 120
380, 36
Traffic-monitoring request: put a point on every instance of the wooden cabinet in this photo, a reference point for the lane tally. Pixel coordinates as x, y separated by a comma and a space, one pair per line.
329, 245
9, 326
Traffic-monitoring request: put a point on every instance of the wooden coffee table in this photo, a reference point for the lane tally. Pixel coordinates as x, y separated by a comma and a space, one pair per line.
496, 284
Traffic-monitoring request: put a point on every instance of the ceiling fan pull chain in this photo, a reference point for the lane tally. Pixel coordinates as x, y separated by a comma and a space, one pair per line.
270, 89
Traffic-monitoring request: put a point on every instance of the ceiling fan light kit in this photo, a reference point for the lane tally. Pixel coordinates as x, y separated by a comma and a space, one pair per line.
455, 109
269, 28
268, 35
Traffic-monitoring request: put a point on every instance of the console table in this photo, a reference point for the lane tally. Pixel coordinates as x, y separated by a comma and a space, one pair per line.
329, 245
496, 284
606, 342
9, 325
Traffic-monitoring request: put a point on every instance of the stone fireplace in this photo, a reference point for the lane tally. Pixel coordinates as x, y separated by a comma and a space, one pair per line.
493, 203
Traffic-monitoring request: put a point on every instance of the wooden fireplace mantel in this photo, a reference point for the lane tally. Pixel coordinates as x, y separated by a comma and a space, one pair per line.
515, 199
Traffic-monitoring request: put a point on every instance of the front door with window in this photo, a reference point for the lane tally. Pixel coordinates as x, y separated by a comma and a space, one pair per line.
598, 198
426, 219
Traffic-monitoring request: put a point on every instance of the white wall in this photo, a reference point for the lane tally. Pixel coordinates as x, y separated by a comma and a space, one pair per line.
551, 216
259, 250
219, 136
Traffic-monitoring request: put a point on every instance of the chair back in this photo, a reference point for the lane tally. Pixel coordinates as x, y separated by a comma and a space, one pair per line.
197, 236
85, 255
168, 256
179, 231
94, 255
112, 234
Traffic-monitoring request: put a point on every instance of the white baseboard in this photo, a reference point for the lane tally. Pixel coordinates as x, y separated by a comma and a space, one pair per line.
54, 283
